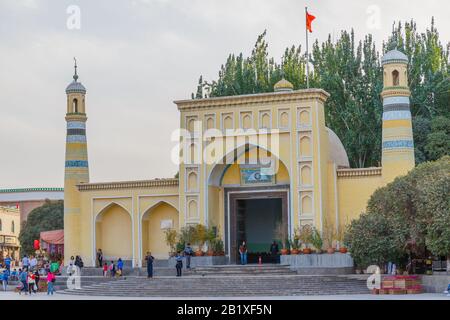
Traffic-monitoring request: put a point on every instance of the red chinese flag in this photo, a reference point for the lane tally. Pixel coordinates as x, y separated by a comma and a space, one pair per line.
309, 20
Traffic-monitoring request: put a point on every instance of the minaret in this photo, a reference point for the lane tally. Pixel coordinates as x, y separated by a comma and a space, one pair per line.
76, 165
398, 143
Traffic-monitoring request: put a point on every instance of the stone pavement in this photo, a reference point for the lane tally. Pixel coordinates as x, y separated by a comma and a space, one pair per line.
43, 296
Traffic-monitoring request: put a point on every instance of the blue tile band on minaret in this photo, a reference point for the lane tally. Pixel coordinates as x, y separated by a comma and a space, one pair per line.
76, 164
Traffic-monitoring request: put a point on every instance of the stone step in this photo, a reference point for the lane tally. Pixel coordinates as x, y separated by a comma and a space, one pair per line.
263, 285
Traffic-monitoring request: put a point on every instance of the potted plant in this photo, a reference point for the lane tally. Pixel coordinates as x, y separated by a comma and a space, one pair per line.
340, 240
316, 240
281, 234
171, 236
305, 234
210, 238
295, 245
329, 234
218, 247
200, 236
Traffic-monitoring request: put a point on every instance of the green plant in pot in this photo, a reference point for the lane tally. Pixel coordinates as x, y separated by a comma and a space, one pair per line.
280, 233
316, 240
218, 247
340, 235
295, 245
329, 234
210, 237
171, 237
305, 235
200, 236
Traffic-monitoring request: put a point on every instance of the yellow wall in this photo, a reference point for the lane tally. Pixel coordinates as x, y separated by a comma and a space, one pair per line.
136, 201
353, 194
113, 233
153, 234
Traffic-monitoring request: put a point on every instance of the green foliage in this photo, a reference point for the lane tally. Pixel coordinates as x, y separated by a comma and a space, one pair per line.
48, 217
305, 234
371, 241
438, 141
171, 237
316, 239
411, 215
186, 234
217, 245
351, 72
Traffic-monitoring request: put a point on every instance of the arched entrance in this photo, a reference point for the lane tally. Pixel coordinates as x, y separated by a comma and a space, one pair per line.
113, 233
155, 221
250, 201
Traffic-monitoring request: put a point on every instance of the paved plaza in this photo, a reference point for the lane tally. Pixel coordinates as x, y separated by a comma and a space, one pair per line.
43, 296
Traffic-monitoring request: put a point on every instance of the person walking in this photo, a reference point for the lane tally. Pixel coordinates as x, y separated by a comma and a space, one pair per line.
31, 282
51, 279
25, 263
150, 259
23, 276
120, 266
37, 277
33, 263
188, 252
105, 270
112, 269
179, 263
7, 262
5, 277
243, 253
100, 258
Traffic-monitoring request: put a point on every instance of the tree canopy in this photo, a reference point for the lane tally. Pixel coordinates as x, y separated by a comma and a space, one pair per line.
351, 72
410, 216
49, 216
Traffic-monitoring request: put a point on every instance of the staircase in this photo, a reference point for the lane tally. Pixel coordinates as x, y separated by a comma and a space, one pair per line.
225, 281
247, 270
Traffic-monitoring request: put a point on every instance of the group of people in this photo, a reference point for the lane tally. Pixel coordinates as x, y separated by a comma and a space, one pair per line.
112, 269
243, 252
75, 262
187, 253
29, 281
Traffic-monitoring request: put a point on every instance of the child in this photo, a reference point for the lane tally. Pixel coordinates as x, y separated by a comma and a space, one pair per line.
105, 270
112, 268
50, 281
31, 279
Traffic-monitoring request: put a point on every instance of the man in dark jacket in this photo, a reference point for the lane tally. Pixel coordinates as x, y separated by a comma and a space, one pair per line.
188, 252
149, 258
179, 264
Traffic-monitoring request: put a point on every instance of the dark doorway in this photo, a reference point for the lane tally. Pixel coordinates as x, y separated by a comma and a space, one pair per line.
254, 217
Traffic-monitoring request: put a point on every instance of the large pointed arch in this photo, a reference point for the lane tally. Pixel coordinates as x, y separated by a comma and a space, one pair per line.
151, 232
113, 232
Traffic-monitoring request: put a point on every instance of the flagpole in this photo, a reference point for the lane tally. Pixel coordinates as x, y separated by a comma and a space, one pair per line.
307, 48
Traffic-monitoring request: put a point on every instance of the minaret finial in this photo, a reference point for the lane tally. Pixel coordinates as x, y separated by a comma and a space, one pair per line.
75, 76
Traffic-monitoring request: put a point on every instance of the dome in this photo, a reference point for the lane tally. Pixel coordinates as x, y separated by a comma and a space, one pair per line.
338, 155
394, 56
75, 87
283, 85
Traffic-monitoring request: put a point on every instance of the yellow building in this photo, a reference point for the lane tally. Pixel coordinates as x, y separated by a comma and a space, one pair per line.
247, 163
9, 233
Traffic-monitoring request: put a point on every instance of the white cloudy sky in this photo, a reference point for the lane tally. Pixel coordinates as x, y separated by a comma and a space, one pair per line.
135, 58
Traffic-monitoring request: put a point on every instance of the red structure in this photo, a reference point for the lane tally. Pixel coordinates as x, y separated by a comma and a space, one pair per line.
53, 241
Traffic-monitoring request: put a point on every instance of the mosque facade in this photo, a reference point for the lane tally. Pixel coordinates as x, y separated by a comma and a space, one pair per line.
247, 164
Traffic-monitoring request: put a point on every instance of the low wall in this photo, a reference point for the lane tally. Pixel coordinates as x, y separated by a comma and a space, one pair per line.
201, 261
435, 283
336, 263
